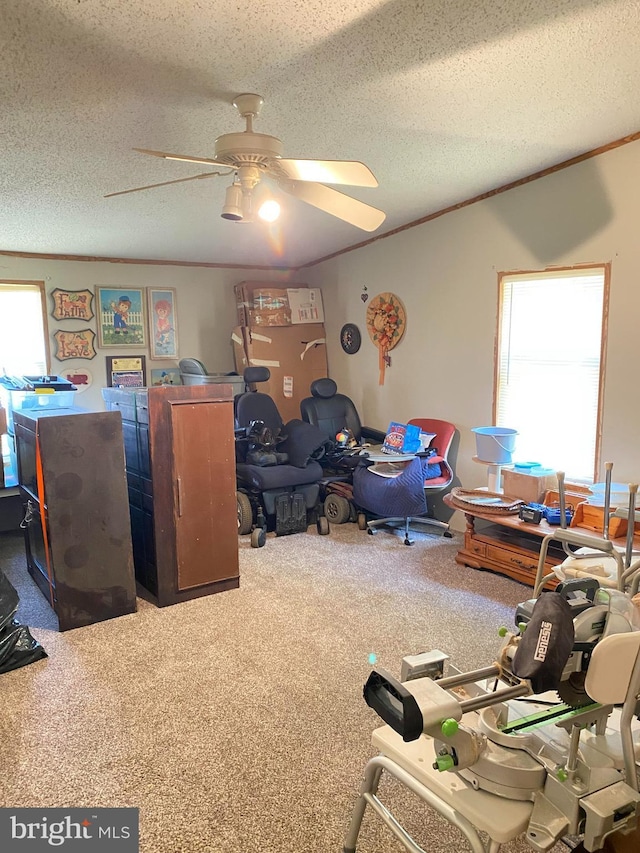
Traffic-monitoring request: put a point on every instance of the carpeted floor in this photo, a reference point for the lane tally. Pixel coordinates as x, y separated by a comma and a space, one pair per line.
236, 722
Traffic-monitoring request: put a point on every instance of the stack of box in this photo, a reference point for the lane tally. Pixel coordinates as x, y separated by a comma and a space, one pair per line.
281, 328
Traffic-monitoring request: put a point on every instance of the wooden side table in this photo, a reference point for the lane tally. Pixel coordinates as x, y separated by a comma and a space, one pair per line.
504, 544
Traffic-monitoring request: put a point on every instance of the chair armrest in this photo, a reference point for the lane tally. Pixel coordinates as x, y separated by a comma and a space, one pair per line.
374, 434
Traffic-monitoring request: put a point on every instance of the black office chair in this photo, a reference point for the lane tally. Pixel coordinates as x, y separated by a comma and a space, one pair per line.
333, 413
274, 494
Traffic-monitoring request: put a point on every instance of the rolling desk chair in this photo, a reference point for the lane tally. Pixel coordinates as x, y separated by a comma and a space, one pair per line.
433, 480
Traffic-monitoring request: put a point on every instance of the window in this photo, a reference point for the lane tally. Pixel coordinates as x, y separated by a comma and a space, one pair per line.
23, 345
550, 366
23, 349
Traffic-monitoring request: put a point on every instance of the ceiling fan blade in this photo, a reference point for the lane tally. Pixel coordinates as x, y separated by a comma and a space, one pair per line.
166, 183
350, 172
185, 157
336, 203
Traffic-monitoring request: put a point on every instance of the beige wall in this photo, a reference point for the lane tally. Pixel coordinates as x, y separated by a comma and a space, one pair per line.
205, 303
445, 272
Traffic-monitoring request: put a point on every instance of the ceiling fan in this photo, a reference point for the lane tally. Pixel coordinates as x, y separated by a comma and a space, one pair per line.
252, 156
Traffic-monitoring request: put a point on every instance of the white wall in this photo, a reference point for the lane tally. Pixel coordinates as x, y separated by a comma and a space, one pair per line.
205, 306
445, 272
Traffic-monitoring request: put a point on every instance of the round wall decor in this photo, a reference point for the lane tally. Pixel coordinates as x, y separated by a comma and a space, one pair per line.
386, 322
350, 338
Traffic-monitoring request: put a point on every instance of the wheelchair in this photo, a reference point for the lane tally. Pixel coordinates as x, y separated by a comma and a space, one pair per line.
336, 415
277, 475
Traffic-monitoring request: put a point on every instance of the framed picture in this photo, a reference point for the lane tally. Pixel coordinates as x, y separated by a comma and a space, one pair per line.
72, 304
74, 344
166, 376
163, 323
121, 317
126, 371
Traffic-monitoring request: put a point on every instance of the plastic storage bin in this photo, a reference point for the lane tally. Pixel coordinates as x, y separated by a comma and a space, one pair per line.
619, 495
35, 392
38, 399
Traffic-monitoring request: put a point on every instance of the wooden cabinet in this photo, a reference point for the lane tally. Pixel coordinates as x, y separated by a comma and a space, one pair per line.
180, 458
77, 531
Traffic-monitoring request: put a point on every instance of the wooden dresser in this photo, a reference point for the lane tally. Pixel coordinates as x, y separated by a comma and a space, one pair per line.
180, 457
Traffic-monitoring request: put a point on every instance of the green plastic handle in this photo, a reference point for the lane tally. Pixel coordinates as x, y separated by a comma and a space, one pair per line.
449, 727
444, 762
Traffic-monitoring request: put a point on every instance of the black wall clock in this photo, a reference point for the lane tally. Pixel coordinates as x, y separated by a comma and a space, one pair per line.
350, 339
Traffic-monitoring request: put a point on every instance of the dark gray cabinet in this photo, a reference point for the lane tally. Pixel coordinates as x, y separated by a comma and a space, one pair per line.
77, 531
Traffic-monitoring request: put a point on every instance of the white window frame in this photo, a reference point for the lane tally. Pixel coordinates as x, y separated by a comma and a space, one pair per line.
559, 396
40, 286
7, 454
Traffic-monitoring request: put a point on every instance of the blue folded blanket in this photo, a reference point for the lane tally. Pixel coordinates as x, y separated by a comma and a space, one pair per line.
396, 496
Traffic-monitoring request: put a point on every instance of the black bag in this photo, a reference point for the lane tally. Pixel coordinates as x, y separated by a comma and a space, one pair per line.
17, 646
546, 644
291, 514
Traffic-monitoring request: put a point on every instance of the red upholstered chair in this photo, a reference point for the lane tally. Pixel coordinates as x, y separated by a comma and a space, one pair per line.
443, 432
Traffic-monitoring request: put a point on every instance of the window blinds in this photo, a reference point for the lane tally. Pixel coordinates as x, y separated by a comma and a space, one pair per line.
550, 340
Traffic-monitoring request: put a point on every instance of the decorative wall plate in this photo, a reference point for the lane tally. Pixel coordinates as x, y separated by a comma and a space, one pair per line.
350, 338
79, 376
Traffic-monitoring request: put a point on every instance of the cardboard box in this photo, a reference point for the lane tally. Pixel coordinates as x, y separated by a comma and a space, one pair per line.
527, 487
239, 351
262, 303
305, 304
254, 298
269, 317
295, 355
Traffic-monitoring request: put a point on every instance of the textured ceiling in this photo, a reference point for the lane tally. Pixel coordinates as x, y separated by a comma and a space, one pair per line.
443, 100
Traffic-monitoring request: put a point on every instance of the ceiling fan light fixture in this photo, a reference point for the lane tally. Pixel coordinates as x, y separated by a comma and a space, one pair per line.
254, 156
269, 210
233, 203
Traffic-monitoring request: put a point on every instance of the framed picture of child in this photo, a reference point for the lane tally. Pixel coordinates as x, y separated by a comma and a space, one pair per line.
163, 323
121, 317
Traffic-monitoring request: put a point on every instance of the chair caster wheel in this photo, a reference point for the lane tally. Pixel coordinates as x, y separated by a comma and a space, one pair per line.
370, 531
258, 537
323, 525
448, 534
408, 541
